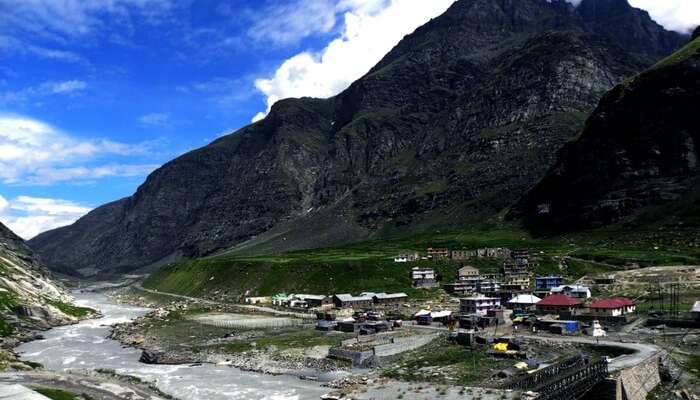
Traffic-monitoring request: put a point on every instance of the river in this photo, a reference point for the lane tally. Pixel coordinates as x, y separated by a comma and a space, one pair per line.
85, 346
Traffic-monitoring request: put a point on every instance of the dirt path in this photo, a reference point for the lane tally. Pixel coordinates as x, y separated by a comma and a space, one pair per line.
267, 310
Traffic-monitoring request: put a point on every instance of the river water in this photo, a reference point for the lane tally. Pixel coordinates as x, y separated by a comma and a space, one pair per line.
85, 346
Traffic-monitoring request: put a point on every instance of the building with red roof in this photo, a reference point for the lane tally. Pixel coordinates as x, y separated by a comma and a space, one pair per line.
558, 304
615, 307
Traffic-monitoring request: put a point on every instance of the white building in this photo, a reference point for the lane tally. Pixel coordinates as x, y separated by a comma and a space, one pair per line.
575, 291
478, 304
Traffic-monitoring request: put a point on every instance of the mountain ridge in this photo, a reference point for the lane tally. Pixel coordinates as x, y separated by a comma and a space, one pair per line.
639, 150
467, 112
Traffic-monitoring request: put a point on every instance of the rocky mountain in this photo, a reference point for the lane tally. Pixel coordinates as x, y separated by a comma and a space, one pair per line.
29, 299
640, 149
453, 125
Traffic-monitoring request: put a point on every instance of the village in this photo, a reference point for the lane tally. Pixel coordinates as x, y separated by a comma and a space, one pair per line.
497, 330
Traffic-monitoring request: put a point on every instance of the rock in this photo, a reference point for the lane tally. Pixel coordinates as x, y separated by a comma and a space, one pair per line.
624, 162
465, 113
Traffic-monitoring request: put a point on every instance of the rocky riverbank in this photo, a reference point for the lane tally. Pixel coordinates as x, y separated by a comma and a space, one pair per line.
163, 337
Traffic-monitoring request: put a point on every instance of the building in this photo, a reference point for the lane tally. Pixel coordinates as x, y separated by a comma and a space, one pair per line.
281, 298
461, 255
467, 272
558, 304
350, 301
518, 281
258, 300
489, 285
436, 253
577, 291
512, 269
524, 301
604, 280
607, 308
464, 286
546, 283
423, 277
521, 257
478, 305
389, 299
695, 311
314, 300
404, 258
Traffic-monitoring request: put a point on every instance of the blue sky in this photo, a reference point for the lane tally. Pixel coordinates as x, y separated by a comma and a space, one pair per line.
95, 94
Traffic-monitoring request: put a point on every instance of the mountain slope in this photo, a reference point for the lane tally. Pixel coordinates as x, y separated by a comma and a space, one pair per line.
464, 115
28, 297
639, 151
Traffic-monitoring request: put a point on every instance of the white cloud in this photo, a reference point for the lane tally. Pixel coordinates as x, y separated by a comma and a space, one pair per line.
33, 152
49, 88
66, 19
158, 119
371, 29
66, 86
29, 216
288, 22
678, 15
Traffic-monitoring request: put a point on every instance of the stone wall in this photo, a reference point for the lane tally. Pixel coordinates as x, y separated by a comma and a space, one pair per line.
635, 383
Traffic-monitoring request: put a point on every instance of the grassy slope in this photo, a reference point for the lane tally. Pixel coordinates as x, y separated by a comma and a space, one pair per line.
368, 266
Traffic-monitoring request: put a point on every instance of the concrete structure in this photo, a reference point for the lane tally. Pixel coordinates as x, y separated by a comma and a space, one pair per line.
478, 305
548, 282
404, 258
596, 330
350, 301
524, 301
616, 307
558, 304
467, 272
695, 311
10, 391
437, 253
258, 300
423, 277
576, 291
390, 299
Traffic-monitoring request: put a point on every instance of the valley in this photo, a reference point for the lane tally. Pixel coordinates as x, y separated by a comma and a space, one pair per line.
505, 206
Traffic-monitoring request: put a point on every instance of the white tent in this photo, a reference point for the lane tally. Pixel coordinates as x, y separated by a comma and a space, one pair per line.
525, 299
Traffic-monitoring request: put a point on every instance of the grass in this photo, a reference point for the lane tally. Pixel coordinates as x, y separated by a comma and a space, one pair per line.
73, 311
368, 266
6, 329
461, 365
56, 394
681, 55
284, 341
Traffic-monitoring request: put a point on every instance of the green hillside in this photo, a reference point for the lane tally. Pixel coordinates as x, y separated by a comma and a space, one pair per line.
368, 266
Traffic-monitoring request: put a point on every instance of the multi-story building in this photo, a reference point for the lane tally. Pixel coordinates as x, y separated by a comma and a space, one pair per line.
479, 305
546, 283
423, 277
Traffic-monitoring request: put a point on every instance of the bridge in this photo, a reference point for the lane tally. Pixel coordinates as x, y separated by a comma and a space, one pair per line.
566, 380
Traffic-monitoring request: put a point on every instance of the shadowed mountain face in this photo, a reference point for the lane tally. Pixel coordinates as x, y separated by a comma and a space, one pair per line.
454, 124
640, 148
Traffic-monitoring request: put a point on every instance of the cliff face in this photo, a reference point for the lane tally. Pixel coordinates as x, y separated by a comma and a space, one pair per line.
639, 149
458, 120
28, 297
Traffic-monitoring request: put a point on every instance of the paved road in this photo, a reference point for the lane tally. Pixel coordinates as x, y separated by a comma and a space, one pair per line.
642, 351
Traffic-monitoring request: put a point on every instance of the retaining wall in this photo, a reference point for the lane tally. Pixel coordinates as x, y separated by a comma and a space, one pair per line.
636, 382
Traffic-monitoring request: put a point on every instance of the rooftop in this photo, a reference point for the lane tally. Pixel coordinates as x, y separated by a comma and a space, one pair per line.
524, 299
558, 300
614, 303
